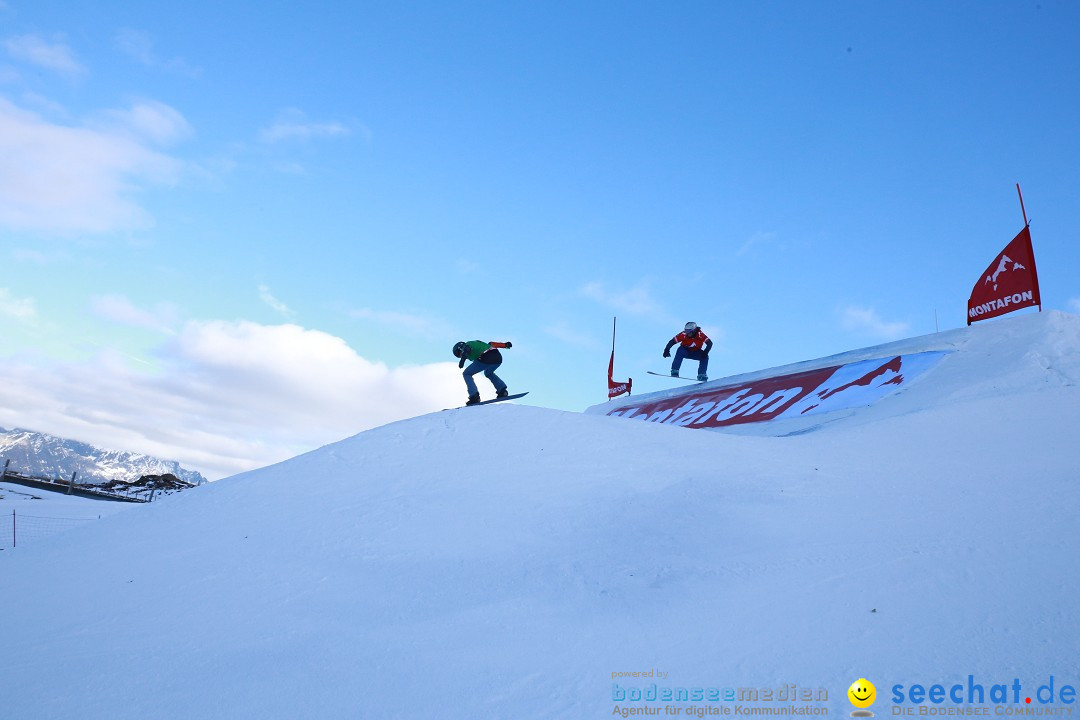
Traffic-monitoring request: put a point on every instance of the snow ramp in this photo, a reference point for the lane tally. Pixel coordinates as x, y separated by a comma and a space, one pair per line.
867, 384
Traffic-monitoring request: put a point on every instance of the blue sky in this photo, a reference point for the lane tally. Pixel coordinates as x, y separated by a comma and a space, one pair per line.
233, 233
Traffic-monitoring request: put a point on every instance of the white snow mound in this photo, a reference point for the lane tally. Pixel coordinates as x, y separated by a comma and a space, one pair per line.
506, 561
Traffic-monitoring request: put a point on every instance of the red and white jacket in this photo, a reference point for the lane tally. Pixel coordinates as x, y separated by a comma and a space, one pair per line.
697, 340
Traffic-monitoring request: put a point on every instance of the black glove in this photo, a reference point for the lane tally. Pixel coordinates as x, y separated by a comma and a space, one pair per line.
461, 364
509, 344
667, 353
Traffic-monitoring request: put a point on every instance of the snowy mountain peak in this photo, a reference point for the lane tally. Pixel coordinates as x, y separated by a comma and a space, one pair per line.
43, 455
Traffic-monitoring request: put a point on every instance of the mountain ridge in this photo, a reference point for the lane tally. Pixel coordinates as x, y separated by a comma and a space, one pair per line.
44, 455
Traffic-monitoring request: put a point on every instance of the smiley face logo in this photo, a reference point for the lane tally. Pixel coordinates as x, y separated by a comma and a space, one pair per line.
862, 693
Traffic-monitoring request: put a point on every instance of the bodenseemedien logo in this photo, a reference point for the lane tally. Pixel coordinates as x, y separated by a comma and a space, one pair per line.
862, 694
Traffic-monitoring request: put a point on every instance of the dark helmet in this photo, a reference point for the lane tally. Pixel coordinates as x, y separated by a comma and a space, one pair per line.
459, 348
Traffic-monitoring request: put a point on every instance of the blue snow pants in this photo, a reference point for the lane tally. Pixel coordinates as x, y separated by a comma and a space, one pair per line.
700, 355
489, 372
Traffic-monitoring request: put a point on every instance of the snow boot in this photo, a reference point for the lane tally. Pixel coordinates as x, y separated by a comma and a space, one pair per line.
473, 399
502, 393
702, 377
674, 373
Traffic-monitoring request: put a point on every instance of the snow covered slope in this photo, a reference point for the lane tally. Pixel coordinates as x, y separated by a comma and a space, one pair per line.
27, 515
509, 561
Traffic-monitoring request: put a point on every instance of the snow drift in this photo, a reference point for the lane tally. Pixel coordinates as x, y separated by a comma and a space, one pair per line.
516, 562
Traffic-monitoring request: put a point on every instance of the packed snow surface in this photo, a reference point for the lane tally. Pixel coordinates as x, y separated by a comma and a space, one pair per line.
509, 561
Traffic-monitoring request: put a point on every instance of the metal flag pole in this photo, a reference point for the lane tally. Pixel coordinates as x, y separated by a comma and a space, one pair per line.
1034, 272
611, 362
1022, 209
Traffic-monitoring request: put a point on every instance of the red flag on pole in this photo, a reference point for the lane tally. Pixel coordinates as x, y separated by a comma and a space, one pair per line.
615, 389
1009, 283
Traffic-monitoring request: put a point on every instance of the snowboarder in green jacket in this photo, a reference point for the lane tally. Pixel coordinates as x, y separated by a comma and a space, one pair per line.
484, 358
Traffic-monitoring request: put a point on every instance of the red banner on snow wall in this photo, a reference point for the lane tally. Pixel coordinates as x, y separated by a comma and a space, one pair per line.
1009, 283
823, 390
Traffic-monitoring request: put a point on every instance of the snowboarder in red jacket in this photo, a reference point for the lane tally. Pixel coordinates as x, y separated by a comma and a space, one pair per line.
693, 344
485, 358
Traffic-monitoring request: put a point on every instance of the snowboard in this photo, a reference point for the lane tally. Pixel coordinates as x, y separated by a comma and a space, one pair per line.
677, 377
495, 400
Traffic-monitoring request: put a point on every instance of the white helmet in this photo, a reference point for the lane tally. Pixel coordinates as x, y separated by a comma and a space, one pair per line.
690, 327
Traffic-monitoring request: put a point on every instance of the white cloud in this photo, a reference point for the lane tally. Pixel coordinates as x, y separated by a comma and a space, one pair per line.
564, 333
637, 300
466, 267
224, 396
1074, 305
43, 104
38, 257
80, 179
406, 323
139, 46
55, 56
291, 168
868, 322
758, 239
16, 308
294, 125
119, 309
267, 297
149, 119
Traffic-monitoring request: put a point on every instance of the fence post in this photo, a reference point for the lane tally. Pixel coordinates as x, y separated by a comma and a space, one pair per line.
13, 529
6, 463
72, 483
